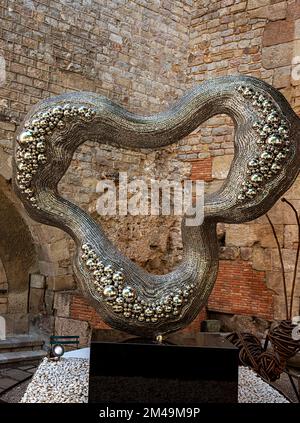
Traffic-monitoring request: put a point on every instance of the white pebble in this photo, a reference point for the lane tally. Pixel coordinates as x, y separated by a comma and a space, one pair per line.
64, 381
253, 389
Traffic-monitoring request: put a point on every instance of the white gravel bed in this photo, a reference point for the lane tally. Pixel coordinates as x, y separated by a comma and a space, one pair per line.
66, 381
253, 389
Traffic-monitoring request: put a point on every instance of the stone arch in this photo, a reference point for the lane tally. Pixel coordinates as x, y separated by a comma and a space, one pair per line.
3, 277
18, 256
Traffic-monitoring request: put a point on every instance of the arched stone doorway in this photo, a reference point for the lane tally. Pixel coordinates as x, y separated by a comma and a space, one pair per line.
19, 259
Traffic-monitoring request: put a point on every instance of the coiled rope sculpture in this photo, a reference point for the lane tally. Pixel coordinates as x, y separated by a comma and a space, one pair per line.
265, 164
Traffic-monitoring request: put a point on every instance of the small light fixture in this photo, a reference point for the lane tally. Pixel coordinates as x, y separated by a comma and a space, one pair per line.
57, 351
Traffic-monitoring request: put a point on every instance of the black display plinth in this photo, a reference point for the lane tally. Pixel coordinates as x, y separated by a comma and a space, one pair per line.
185, 368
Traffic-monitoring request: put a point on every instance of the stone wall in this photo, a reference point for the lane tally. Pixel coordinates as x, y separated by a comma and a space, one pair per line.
135, 53
258, 38
144, 55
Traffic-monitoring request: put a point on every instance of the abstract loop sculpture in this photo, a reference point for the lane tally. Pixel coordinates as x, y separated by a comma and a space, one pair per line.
265, 164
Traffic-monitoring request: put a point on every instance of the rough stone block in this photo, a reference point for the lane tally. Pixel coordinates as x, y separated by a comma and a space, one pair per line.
213, 186
73, 327
290, 236
240, 323
5, 168
78, 82
36, 300
293, 10
62, 302
297, 29
278, 32
49, 269
261, 258
229, 253
246, 253
254, 4
272, 12
61, 282
17, 323
49, 300
241, 235
220, 166
3, 308
58, 250
289, 258
37, 281
277, 56
282, 77
294, 192
265, 235
289, 217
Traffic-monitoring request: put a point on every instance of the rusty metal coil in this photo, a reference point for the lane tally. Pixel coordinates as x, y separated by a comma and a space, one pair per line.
268, 364
282, 341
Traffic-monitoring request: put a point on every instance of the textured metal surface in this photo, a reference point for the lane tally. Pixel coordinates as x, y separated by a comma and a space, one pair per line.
269, 363
265, 164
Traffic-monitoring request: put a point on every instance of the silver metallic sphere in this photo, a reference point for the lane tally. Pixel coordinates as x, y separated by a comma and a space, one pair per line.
254, 163
108, 269
25, 137
177, 300
129, 294
117, 308
110, 292
256, 178
265, 156
148, 312
137, 308
251, 192
91, 264
274, 140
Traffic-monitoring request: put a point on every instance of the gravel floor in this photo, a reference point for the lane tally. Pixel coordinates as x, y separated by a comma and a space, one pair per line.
252, 389
63, 381
67, 381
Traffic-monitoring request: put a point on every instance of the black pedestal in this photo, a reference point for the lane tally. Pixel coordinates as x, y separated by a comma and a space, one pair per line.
184, 368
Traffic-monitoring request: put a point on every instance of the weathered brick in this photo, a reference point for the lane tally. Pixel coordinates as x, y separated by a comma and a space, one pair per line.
278, 32
255, 4
272, 12
282, 77
277, 56
221, 166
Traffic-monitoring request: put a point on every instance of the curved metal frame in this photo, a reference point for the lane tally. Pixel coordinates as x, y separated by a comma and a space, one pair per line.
265, 164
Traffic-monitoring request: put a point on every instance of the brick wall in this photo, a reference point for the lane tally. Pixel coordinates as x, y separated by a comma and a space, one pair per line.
240, 289
81, 310
201, 170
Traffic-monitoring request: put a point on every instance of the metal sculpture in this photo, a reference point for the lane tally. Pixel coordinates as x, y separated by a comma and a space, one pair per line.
268, 363
283, 336
265, 164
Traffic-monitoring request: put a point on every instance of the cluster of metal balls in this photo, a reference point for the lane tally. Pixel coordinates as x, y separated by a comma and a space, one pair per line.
273, 143
31, 150
123, 299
